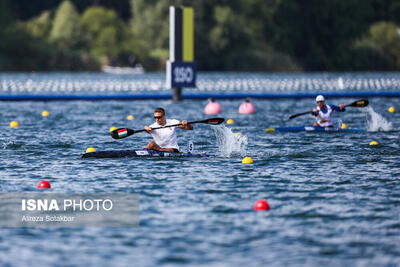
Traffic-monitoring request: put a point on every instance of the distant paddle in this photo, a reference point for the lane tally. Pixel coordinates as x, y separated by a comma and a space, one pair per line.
356, 104
125, 132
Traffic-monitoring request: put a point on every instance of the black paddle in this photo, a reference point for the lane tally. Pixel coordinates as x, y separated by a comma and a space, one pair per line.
357, 104
125, 132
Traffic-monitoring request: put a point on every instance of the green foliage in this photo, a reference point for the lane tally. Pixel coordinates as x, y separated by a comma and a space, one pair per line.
229, 40
233, 35
318, 32
266, 58
23, 52
40, 26
65, 25
364, 57
103, 33
220, 34
384, 38
150, 29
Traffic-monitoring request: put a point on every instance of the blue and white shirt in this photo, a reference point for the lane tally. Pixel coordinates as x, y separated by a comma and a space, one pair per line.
324, 116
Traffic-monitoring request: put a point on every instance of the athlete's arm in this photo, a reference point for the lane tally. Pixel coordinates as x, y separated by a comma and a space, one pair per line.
339, 108
314, 112
185, 125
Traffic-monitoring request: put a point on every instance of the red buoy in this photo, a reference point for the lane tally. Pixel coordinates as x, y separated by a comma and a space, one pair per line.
43, 184
261, 205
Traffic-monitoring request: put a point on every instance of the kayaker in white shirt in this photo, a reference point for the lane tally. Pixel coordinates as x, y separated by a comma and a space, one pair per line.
165, 138
323, 112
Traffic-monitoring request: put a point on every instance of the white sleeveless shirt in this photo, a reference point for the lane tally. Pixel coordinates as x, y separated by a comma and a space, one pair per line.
166, 137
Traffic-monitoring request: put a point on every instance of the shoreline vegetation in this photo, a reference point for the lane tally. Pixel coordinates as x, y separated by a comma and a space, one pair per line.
237, 35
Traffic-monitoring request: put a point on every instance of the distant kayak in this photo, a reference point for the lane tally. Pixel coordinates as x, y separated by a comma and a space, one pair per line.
311, 129
139, 153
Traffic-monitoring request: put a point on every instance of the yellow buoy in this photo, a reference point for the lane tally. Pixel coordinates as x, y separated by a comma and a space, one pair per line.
130, 117
13, 124
391, 109
45, 113
90, 149
247, 160
373, 143
344, 126
113, 128
270, 130
230, 121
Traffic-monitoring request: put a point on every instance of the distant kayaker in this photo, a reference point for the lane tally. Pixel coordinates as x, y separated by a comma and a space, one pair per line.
165, 138
323, 112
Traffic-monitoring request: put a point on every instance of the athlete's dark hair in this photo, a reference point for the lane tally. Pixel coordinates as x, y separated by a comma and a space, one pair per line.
159, 110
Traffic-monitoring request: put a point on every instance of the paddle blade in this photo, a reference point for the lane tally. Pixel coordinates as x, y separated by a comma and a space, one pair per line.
214, 121
360, 103
121, 133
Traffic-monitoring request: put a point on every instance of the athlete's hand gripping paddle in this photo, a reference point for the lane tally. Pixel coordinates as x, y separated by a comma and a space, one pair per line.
125, 132
356, 104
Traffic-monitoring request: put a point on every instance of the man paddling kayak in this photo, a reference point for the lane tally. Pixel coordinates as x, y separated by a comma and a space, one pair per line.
323, 112
165, 138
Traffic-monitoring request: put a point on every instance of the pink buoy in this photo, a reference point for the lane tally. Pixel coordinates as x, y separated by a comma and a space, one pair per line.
212, 108
247, 107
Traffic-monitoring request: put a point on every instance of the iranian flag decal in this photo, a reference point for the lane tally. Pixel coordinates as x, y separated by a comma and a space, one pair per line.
122, 133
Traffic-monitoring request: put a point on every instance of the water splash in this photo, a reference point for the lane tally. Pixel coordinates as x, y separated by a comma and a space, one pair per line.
11, 145
229, 143
339, 124
376, 122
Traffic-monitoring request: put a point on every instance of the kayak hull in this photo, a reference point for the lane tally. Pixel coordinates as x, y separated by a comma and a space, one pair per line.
312, 129
139, 153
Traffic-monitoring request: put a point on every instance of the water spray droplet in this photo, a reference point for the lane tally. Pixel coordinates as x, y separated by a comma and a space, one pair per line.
228, 143
376, 122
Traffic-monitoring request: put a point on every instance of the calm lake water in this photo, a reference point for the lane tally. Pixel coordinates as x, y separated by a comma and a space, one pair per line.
335, 200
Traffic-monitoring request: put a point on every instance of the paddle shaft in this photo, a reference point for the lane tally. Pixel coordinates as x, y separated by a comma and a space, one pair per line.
116, 135
172, 125
359, 104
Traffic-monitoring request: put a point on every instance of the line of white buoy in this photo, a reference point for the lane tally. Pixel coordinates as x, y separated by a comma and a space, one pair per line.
229, 83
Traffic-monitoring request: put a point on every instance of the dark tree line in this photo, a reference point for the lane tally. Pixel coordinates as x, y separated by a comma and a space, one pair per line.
230, 35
